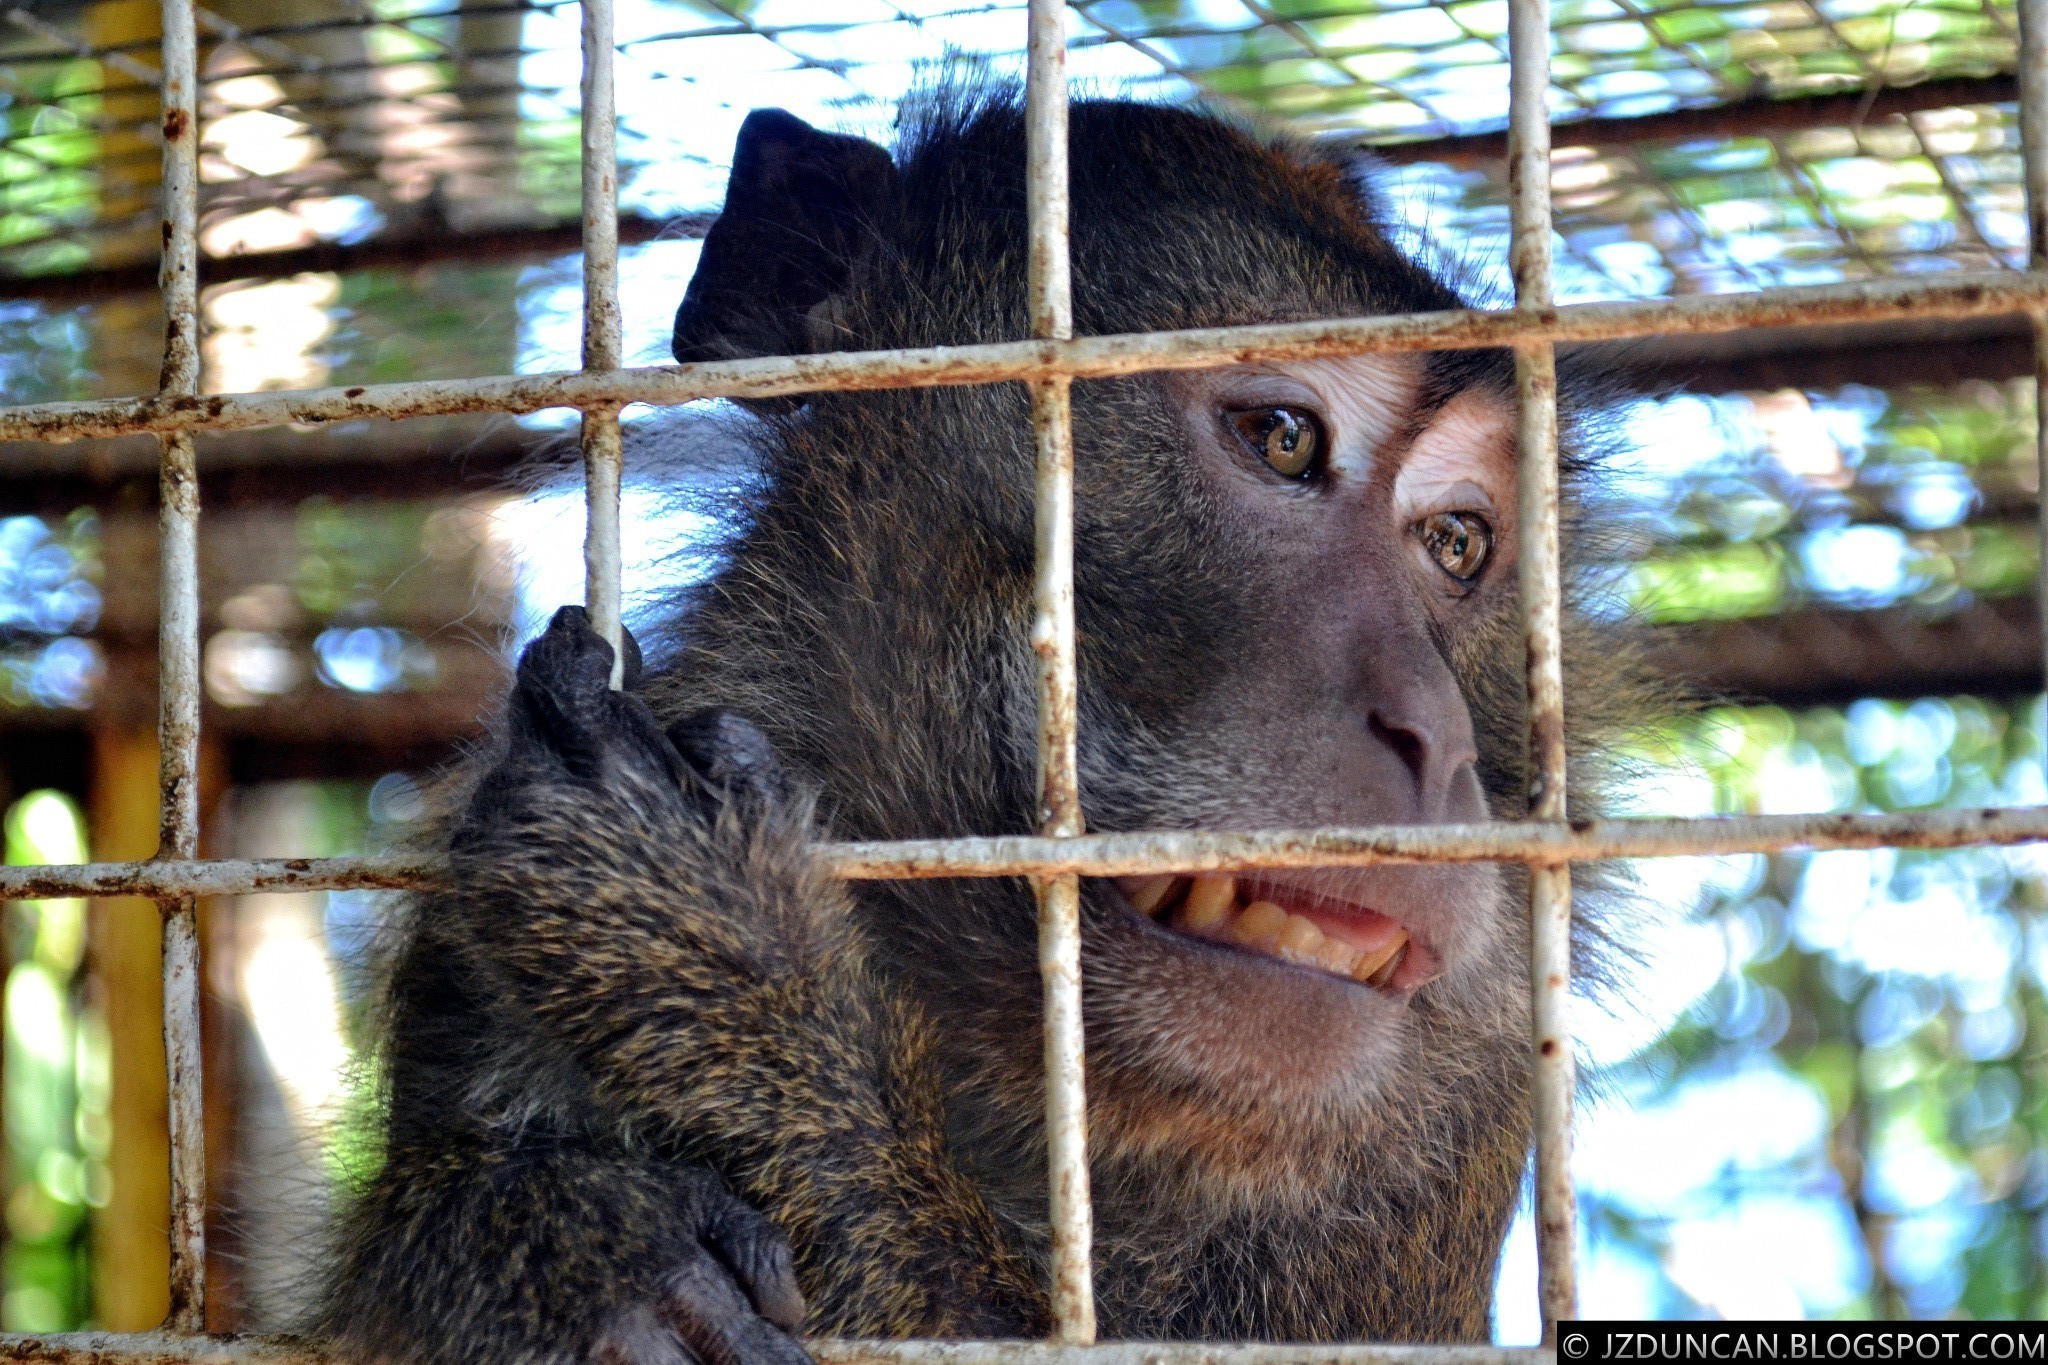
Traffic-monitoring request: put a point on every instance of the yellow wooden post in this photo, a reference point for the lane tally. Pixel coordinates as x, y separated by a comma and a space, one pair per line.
131, 1253
124, 955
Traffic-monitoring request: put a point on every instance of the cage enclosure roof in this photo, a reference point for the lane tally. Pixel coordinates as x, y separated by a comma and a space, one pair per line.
414, 123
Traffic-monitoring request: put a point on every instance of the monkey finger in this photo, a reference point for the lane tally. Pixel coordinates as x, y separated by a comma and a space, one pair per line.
729, 752
564, 698
562, 685
639, 1336
714, 1319
758, 1255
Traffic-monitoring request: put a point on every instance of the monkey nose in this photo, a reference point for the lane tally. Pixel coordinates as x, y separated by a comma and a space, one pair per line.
1431, 737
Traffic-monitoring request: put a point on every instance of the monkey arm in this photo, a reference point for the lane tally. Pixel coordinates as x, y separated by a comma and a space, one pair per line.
660, 916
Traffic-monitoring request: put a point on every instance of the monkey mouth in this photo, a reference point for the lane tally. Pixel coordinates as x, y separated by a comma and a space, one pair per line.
1292, 924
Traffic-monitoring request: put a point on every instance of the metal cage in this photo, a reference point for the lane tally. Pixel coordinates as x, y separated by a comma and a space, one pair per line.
1548, 842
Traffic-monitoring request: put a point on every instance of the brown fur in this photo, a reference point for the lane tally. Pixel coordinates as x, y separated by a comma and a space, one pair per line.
643, 976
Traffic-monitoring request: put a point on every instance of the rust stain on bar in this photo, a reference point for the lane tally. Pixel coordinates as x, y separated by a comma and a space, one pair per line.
604, 460
178, 648
217, 877
1052, 640
1162, 1353
1550, 884
161, 1348
1861, 301
1552, 1070
187, 1114
1141, 853
155, 1348
178, 655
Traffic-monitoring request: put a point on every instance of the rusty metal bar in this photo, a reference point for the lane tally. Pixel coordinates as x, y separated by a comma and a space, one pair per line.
178, 662
186, 1115
217, 877
603, 445
159, 1348
1550, 883
1052, 640
1137, 853
1959, 296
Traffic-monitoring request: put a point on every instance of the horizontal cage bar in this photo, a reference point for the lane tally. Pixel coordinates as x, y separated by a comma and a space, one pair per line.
1134, 854
161, 1348
1083, 358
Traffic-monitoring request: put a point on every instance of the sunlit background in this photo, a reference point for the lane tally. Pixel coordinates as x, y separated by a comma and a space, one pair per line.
1824, 1090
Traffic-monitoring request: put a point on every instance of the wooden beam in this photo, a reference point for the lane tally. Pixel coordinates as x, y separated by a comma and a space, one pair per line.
130, 1236
425, 457
468, 682
1884, 355
1816, 656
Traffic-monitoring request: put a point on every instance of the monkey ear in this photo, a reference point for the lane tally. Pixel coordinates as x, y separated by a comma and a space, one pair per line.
798, 208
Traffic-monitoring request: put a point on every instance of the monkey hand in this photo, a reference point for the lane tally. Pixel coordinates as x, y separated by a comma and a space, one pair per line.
647, 900
728, 1295
601, 839
563, 1249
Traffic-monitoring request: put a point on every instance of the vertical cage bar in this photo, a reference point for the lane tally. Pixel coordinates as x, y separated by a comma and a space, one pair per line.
1052, 638
2033, 15
178, 665
1550, 884
603, 445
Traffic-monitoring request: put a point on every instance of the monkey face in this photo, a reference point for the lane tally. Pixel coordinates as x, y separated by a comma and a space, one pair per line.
1355, 522
1296, 603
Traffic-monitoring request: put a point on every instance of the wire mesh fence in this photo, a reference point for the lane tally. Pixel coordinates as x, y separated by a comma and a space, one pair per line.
1549, 842
420, 120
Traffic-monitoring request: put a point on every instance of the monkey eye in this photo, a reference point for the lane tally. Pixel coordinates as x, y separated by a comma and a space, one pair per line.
1459, 542
1289, 440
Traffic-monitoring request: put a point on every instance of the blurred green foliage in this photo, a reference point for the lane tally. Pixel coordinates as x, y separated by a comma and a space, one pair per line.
450, 321
1903, 989
1417, 67
57, 1086
351, 554
551, 166
1746, 504
48, 180
447, 321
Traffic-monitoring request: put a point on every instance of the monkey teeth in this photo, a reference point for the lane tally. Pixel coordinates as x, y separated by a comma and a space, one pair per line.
1367, 947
